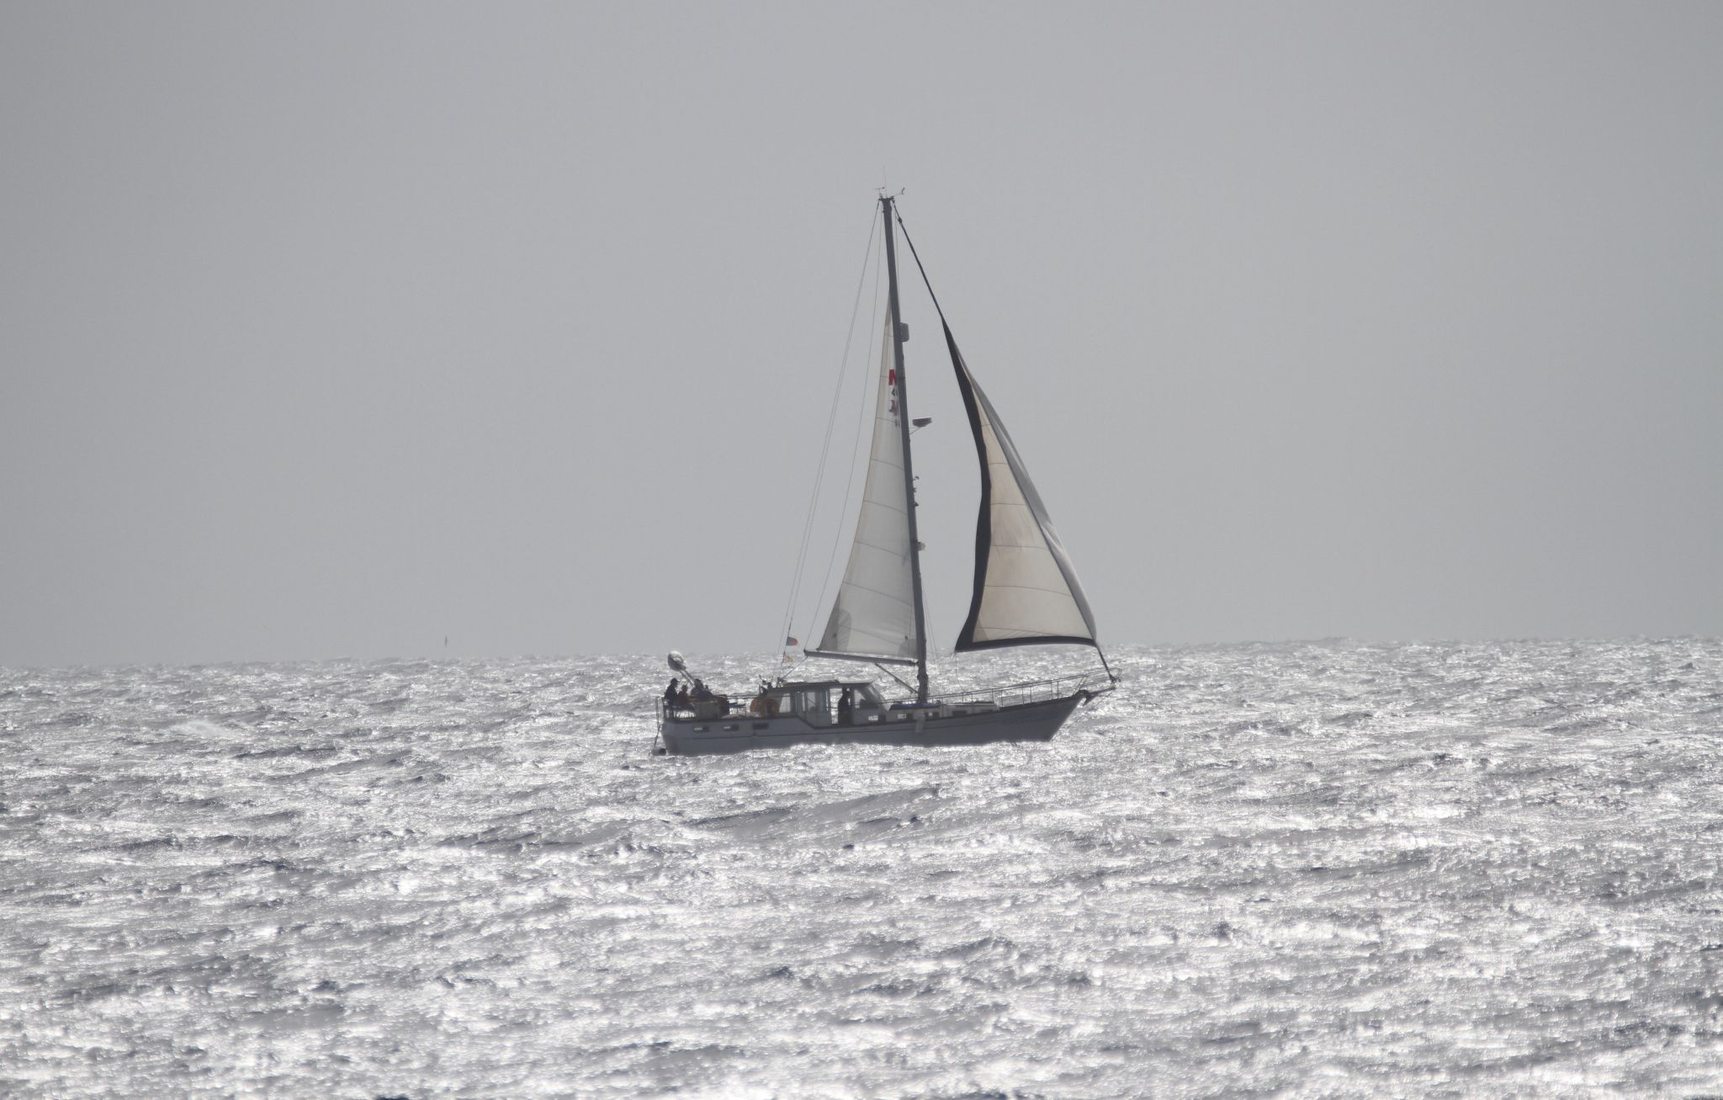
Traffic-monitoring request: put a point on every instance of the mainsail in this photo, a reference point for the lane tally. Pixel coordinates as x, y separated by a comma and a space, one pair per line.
873, 616
1026, 592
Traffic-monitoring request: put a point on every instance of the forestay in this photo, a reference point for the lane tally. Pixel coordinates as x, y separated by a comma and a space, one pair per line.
873, 616
1026, 592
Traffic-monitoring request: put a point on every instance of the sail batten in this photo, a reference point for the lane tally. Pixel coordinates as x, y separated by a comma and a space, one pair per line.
1026, 591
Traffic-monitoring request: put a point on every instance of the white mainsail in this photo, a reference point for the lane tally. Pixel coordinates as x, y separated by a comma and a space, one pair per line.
873, 615
1026, 591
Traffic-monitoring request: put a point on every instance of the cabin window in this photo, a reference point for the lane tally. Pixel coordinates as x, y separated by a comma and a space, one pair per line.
814, 706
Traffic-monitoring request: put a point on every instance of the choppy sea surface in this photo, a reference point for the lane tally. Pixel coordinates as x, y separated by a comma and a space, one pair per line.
1305, 869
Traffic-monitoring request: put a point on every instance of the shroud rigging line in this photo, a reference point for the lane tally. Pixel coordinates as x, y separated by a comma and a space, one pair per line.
826, 444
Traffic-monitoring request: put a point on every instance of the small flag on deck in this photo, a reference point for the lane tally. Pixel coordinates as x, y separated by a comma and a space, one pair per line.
790, 640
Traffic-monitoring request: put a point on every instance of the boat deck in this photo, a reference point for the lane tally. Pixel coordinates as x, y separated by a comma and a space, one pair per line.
1029, 712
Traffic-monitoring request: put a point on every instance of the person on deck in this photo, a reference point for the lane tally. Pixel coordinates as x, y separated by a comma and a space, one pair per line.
670, 695
846, 705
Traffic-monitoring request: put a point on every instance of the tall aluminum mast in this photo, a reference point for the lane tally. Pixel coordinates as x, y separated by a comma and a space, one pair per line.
897, 328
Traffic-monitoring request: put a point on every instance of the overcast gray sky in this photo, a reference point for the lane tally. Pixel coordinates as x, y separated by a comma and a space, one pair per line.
337, 329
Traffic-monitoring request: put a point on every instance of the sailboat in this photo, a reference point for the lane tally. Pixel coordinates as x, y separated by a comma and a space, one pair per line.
1025, 593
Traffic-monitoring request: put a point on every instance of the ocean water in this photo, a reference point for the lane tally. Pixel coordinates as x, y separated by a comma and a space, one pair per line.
1316, 869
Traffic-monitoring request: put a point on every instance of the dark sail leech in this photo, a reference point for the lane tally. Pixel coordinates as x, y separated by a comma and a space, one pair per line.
1026, 591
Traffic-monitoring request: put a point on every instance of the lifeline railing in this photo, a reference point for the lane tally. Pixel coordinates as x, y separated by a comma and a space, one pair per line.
1034, 691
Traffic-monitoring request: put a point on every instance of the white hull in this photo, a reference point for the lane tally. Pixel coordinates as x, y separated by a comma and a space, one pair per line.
1037, 721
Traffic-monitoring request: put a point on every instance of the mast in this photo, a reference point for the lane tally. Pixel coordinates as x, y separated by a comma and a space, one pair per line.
886, 210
